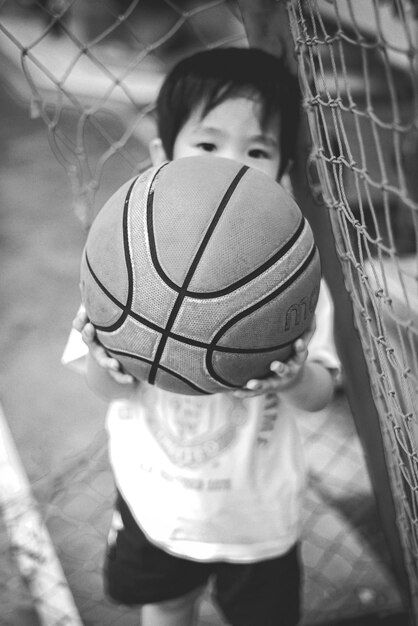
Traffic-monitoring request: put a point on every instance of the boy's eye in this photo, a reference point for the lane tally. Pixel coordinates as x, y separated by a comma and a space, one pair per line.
258, 153
206, 146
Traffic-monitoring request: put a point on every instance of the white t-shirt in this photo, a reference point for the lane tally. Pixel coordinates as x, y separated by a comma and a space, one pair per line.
213, 477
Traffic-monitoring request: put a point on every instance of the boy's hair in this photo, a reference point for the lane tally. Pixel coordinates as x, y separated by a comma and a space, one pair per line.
210, 77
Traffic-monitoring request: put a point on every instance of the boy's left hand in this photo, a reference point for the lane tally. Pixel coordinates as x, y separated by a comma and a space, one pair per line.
284, 374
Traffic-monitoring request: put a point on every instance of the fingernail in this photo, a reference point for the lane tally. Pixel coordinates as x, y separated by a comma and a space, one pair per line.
252, 384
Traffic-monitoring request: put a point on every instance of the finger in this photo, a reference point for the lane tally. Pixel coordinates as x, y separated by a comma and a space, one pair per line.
106, 361
301, 352
99, 354
264, 385
252, 388
80, 319
259, 386
245, 393
278, 368
253, 385
121, 377
300, 345
88, 334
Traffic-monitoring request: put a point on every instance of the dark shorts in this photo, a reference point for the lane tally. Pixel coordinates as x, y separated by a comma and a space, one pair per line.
137, 573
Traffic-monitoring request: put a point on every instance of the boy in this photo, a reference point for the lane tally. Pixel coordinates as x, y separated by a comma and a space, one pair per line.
210, 487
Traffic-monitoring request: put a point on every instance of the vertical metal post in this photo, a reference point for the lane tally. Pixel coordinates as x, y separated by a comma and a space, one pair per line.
267, 26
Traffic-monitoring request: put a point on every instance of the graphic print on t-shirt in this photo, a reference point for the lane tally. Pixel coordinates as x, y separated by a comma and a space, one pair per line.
193, 429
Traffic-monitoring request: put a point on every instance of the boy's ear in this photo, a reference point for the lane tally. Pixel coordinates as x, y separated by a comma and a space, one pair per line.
157, 152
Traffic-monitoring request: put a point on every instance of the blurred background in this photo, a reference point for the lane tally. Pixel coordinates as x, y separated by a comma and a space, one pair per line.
78, 84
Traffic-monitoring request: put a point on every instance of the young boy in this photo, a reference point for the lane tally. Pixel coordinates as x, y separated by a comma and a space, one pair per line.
210, 487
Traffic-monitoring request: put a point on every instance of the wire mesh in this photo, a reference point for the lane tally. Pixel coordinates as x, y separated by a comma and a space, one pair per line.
359, 74
91, 70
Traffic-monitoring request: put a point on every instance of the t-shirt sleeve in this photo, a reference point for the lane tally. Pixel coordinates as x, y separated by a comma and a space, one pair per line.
322, 345
75, 352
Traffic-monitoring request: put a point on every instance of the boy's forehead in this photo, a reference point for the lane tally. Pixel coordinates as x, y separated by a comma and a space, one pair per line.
241, 110
250, 102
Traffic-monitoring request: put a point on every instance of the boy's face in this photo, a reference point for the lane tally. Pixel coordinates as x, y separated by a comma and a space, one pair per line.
232, 130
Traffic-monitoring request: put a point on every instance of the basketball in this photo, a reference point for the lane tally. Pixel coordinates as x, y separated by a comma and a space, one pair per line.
199, 273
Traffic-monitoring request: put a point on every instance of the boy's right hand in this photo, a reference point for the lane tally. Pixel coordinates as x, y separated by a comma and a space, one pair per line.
82, 323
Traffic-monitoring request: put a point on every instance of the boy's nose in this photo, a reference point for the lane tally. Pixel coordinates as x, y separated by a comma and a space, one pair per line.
235, 155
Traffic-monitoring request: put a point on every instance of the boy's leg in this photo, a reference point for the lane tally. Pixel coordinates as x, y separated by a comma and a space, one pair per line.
266, 592
178, 612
